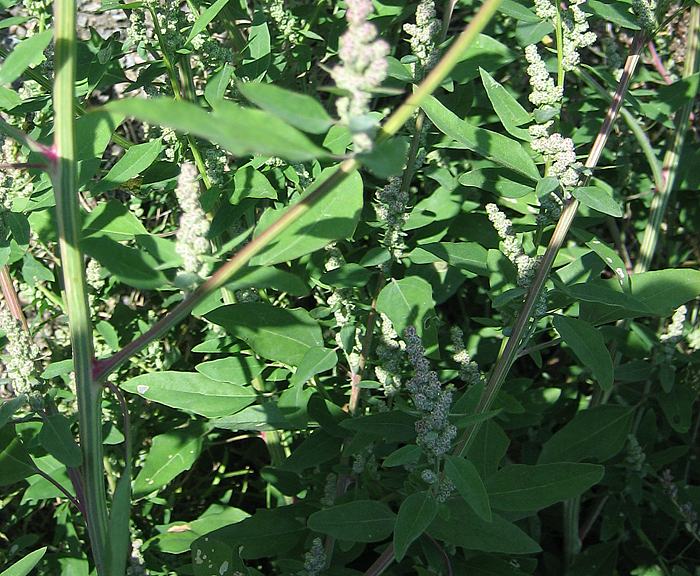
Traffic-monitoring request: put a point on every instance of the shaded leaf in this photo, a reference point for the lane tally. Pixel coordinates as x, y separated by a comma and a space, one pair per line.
415, 515
25, 565
358, 521
56, 437
468, 483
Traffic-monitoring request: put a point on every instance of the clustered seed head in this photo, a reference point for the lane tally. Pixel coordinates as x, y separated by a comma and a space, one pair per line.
468, 369
21, 354
645, 11
390, 355
424, 34
545, 9
192, 243
286, 23
674, 332
576, 35
559, 153
635, 454
434, 431
544, 92
14, 183
315, 559
392, 209
362, 69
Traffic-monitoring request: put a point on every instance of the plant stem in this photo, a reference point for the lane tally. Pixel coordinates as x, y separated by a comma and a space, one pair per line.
400, 116
673, 154
10, 294
64, 178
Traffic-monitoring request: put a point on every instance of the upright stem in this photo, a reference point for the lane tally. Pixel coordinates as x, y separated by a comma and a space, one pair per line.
76, 303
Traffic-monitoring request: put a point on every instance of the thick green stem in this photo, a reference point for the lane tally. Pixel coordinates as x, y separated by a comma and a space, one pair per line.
673, 154
64, 178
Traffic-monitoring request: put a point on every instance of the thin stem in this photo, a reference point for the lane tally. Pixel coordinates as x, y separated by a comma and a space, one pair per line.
660, 200
64, 178
522, 323
103, 367
65, 492
10, 294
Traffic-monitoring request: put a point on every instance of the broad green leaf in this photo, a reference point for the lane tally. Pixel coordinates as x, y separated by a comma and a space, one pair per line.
497, 180
409, 454
315, 361
409, 302
128, 265
25, 565
589, 347
597, 560
217, 84
415, 515
593, 434
485, 52
135, 160
9, 99
170, 454
93, 131
15, 462
281, 334
677, 406
387, 158
232, 127
34, 272
269, 277
56, 437
488, 449
468, 483
527, 488
347, 276
491, 145
119, 515
315, 450
28, 52
599, 200
250, 183
358, 521
263, 417
612, 261
9, 407
239, 370
516, 10
332, 218
217, 558
393, 426
511, 114
298, 110
466, 529
113, 220
204, 18
614, 12
469, 256
266, 533
191, 392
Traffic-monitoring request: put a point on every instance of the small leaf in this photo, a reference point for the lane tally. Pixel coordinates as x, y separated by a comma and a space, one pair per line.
507, 108
358, 521
280, 334
599, 200
191, 392
204, 18
217, 84
128, 265
135, 160
527, 488
170, 454
415, 515
491, 145
15, 462
56, 437
299, 110
250, 183
25, 565
9, 407
589, 347
113, 220
315, 361
26, 53
468, 483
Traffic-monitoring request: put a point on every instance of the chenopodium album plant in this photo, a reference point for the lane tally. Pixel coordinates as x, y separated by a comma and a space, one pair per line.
356, 287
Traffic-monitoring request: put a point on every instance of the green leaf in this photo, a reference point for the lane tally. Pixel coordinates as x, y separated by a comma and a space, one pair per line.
120, 512
250, 183
317, 449
232, 127
409, 454
29, 52
9, 407
263, 417
113, 220
335, 217
25, 565
594, 434
677, 406
347, 276
468, 483
466, 529
170, 454
509, 111
589, 347
599, 200
128, 265
241, 370
315, 361
191, 392
415, 515
56, 437
298, 110
485, 52
280, 334
135, 160
469, 256
491, 145
527, 488
612, 261
614, 12
394, 426
15, 462
204, 18
358, 521
498, 181
488, 448
93, 131
387, 158
217, 84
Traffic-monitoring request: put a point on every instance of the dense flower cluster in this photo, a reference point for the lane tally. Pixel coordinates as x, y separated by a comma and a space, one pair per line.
21, 354
468, 369
645, 10
13, 183
286, 23
390, 358
192, 243
435, 434
362, 69
544, 92
424, 34
315, 559
674, 332
576, 34
558, 152
391, 209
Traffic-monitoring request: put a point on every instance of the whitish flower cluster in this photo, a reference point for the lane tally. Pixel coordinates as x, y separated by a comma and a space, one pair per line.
545, 9
38, 9
635, 457
674, 332
424, 35
391, 209
93, 275
544, 92
362, 69
435, 434
390, 358
576, 34
14, 183
286, 23
21, 354
645, 10
468, 369
559, 154
192, 243
315, 559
